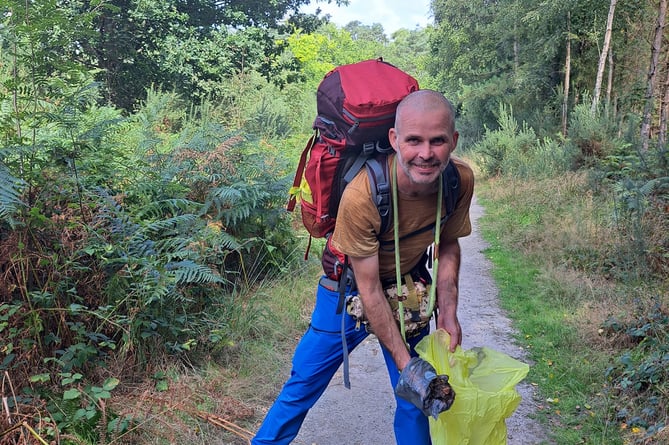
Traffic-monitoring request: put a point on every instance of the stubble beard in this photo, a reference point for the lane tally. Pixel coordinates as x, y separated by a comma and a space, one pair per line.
419, 179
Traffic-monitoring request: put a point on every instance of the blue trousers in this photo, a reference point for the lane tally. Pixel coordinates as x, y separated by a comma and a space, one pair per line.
317, 357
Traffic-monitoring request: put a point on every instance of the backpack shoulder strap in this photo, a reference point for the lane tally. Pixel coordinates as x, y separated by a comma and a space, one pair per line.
379, 182
451, 183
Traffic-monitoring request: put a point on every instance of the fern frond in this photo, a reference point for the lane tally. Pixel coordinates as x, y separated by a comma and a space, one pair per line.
159, 209
654, 184
175, 248
236, 202
150, 286
170, 224
229, 194
188, 272
228, 241
10, 193
99, 129
140, 247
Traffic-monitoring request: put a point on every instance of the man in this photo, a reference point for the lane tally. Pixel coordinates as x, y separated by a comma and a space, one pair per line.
423, 138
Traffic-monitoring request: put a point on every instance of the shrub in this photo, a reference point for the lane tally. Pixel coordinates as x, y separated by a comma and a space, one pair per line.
126, 239
516, 151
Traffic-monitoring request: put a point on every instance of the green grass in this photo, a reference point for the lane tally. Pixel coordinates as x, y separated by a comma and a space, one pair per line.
568, 375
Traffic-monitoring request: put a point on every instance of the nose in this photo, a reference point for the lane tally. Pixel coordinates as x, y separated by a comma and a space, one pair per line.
425, 150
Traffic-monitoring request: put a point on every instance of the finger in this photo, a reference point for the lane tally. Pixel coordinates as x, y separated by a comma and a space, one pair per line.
454, 343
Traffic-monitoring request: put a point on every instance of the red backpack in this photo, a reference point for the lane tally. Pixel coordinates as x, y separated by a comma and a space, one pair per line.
356, 106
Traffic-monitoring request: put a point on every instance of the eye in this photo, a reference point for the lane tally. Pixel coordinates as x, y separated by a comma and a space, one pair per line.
438, 141
412, 140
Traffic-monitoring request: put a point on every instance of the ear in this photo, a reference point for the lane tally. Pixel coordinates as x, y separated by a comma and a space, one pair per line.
456, 135
392, 137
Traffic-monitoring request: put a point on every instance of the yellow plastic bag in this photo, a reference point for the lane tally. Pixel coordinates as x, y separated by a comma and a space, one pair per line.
484, 381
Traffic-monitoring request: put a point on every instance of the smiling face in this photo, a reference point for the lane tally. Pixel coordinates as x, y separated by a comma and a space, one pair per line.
424, 137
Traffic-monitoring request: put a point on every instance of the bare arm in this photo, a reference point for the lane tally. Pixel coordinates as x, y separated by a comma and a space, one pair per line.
447, 290
378, 310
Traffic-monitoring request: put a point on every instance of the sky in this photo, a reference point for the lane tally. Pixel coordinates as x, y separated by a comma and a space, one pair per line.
392, 14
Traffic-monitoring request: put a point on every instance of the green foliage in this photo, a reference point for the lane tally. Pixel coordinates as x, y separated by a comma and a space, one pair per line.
409, 50
122, 238
639, 188
592, 135
639, 374
515, 151
129, 45
320, 52
80, 410
10, 195
514, 52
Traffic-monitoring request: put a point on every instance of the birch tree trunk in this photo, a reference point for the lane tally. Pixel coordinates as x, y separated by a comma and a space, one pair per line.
652, 75
609, 85
567, 72
603, 56
664, 110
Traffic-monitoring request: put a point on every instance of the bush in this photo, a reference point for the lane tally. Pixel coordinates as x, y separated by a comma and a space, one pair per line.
516, 151
127, 239
639, 374
590, 135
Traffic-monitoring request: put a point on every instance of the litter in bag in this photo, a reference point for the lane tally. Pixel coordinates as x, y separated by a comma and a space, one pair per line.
484, 382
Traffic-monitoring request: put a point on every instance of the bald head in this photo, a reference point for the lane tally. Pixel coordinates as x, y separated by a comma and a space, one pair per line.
425, 101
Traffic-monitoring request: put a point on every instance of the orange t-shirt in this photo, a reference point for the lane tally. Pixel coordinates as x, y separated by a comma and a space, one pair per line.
358, 222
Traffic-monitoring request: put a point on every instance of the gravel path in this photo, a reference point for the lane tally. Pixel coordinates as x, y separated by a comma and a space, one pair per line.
363, 415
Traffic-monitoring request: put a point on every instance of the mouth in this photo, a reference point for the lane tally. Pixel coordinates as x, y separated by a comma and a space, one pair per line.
426, 168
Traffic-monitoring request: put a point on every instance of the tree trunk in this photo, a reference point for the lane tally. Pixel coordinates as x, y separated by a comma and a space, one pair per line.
652, 75
567, 71
609, 85
664, 110
516, 51
602, 57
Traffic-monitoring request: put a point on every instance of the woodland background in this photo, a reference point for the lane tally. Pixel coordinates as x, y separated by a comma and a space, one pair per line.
147, 148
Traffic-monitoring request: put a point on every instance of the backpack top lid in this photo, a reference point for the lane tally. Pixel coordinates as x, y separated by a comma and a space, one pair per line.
356, 103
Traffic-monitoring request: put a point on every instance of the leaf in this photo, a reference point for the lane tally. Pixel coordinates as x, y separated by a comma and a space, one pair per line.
162, 385
190, 272
71, 394
70, 378
111, 383
75, 308
41, 378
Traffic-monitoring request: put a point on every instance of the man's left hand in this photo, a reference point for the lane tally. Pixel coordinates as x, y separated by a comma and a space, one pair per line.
420, 385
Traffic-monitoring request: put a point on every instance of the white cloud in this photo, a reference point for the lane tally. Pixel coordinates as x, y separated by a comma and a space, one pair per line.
392, 14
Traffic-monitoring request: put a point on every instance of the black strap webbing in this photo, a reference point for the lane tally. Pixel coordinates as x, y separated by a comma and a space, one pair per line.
379, 184
343, 281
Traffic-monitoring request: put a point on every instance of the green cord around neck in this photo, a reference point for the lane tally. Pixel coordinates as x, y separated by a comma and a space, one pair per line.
435, 253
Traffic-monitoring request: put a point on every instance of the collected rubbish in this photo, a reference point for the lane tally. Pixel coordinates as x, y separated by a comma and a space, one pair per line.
484, 381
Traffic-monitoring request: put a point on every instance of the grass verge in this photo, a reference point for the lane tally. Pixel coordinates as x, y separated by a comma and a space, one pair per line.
551, 247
